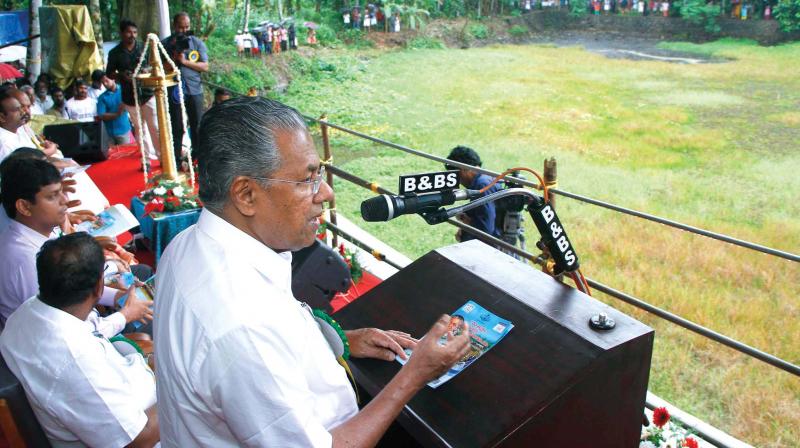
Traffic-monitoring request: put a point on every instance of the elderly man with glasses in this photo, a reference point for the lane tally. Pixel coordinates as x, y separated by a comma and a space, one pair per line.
241, 361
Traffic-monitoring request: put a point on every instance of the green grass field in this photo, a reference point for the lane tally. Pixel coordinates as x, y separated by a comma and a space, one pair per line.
711, 145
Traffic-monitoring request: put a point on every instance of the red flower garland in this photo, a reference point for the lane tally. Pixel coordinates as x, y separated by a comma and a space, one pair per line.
660, 417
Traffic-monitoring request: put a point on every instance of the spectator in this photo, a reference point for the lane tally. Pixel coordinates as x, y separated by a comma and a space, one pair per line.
221, 95
97, 89
122, 61
14, 115
238, 40
483, 217
80, 107
41, 100
191, 56
311, 38
29, 138
59, 107
111, 110
83, 389
30, 93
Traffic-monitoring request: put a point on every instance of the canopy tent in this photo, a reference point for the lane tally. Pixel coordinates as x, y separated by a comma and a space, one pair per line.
68, 37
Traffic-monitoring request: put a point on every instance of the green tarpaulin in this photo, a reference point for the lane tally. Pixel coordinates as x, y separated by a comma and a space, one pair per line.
68, 44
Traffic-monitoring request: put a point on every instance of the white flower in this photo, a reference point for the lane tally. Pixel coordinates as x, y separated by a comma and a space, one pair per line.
647, 445
178, 191
159, 190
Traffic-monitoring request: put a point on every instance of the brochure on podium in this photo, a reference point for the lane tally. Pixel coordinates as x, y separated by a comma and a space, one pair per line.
110, 222
486, 330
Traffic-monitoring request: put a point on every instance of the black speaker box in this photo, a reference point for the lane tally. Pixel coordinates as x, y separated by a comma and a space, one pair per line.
84, 142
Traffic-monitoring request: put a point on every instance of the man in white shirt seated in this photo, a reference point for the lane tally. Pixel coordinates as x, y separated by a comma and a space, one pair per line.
32, 197
14, 114
241, 361
81, 107
84, 390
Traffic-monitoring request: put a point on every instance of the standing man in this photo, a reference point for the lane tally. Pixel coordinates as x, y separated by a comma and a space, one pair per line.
41, 101
483, 217
81, 107
111, 110
191, 56
97, 88
241, 362
122, 61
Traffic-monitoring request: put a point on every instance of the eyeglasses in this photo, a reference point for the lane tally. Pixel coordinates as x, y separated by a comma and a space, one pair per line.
315, 183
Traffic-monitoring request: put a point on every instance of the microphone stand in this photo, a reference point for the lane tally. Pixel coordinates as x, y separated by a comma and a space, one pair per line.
533, 200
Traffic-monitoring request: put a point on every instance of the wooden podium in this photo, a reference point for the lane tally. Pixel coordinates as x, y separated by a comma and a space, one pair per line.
552, 382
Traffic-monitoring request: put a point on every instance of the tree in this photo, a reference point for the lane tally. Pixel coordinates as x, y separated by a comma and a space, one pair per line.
787, 12
34, 62
97, 23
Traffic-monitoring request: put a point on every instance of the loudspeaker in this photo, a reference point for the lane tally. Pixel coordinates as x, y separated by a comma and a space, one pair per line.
318, 272
80, 141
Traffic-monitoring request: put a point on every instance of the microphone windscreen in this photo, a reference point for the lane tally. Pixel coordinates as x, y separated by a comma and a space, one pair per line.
376, 209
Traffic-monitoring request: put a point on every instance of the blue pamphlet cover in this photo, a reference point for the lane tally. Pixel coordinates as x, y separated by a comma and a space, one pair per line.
145, 292
486, 330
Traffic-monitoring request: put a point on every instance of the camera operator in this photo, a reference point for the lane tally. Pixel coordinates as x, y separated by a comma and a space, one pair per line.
191, 56
483, 217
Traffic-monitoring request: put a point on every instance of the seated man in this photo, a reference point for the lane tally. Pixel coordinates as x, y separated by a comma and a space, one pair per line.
83, 391
483, 217
33, 199
241, 361
59, 108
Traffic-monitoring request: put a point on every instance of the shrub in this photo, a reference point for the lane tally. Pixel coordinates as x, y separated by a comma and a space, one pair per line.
787, 12
700, 13
356, 39
479, 31
518, 31
578, 8
424, 42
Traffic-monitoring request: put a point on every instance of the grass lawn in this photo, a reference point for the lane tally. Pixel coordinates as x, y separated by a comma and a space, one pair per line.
712, 145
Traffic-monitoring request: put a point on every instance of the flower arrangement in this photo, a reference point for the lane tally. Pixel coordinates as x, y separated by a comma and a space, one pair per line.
356, 271
662, 433
165, 195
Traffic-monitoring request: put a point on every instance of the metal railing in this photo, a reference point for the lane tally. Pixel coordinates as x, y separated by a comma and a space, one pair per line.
608, 290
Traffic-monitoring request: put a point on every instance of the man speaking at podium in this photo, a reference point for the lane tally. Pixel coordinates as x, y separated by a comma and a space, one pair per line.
241, 362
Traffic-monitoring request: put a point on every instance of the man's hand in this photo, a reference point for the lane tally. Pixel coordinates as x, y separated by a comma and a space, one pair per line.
135, 309
49, 148
379, 344
81, 216
68, 185
430, 360
180, 58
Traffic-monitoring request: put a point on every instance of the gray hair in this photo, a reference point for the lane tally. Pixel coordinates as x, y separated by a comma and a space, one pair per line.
237, 138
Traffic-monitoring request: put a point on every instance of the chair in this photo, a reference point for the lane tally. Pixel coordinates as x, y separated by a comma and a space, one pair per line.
17, 420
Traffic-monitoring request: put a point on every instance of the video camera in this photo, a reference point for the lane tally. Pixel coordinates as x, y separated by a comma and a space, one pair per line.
509, 216
182, 41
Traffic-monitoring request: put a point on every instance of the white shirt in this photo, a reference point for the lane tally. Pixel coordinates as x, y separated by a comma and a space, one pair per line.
95, 93
19, 245
83, 392
240, 361
82, 110
39, 107
9, 141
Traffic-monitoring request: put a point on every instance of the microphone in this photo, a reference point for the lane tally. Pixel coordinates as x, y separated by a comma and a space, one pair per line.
386, 206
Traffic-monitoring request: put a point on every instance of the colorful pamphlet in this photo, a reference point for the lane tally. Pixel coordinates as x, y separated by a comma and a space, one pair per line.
485, 330
146, 292
110, 222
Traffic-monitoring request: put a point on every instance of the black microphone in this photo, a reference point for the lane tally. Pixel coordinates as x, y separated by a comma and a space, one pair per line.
386, 207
